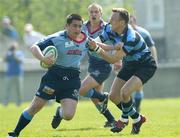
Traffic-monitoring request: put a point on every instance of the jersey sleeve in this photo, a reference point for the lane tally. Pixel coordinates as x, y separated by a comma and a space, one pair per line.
105, 34
127, 48
44, 43
149, 41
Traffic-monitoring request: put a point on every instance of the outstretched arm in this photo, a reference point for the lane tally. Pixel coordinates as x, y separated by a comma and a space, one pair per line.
119, 54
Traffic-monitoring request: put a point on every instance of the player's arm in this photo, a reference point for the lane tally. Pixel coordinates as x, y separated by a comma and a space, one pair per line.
154, 53
150, 43
118, 55
37, 53
105, 46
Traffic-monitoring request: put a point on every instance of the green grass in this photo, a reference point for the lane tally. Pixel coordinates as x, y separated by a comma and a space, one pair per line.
163, 121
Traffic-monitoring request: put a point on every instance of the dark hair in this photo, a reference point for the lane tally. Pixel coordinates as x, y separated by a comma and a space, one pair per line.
123, 14
72, 17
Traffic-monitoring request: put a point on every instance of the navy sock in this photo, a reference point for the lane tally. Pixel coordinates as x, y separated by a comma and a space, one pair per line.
24, 120
98, 95
108, 115
129, 108
124, 114
119, 105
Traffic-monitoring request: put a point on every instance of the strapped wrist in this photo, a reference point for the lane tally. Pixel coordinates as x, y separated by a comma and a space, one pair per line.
98, 50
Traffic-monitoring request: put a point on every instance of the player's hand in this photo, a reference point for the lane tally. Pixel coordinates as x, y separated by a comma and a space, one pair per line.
48, 60
118, 65
119, 46
92, 45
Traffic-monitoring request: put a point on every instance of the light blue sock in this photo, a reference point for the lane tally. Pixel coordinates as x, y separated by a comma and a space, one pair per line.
138, 95
89, 93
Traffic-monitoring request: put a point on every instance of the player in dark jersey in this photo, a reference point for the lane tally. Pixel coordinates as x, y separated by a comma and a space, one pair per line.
138, 66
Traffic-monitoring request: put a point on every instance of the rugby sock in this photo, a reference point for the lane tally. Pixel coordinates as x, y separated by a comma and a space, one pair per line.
89, 93
98, 95
138, 96
108, 115
128, 108
24, 120
124, 116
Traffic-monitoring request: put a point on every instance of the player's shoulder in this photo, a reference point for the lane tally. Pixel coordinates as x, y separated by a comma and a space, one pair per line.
142, 31
107, 27
131, 33
57, 34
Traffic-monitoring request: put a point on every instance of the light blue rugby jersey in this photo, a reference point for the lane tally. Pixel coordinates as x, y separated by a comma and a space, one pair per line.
134, 46
146, 36
95, 34
70, 53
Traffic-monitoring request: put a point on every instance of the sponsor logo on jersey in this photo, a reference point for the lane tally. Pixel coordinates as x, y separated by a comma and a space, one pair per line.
74, 52
69, 44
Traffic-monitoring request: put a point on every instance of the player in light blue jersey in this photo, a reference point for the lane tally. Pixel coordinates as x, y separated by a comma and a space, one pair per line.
138, 96
61, 81
138, 66
99, 69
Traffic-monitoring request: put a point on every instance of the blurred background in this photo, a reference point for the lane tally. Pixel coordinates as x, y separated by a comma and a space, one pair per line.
26, 21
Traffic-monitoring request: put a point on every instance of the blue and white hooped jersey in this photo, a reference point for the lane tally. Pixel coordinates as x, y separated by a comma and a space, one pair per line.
146, 36
134, 46
86, 29
70, 52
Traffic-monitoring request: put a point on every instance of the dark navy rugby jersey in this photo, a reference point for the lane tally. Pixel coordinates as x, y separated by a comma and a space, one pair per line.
146, 36
134, 45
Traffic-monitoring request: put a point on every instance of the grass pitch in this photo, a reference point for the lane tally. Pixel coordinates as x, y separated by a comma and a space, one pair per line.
163, 120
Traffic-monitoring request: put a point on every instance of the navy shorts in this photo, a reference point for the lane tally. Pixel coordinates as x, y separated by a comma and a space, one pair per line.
144, 71
59, 85
100, 73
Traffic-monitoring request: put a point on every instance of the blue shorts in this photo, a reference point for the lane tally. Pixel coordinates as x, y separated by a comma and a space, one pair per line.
99, 70
144, 71
59, 84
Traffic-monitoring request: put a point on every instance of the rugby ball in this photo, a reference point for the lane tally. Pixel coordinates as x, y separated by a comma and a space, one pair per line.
48, 51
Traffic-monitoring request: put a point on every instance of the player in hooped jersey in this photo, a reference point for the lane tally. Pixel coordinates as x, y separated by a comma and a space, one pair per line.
138, 66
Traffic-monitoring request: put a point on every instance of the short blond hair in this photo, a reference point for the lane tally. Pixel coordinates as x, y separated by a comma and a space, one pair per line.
96, 5
123, 13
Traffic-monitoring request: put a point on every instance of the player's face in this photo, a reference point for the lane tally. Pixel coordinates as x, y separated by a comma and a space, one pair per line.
94, 14
116, 22
74, 28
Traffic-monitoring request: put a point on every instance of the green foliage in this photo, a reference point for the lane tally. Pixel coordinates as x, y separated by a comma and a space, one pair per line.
48, 16
162, 121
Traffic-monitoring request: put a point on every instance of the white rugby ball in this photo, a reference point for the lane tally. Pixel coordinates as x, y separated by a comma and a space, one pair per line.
50, 50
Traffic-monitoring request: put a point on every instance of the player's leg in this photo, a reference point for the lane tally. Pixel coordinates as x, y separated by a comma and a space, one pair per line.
68, 97
88, 89
116, 99
36, 105
106, 113
92, 89
137, 98
133, 84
